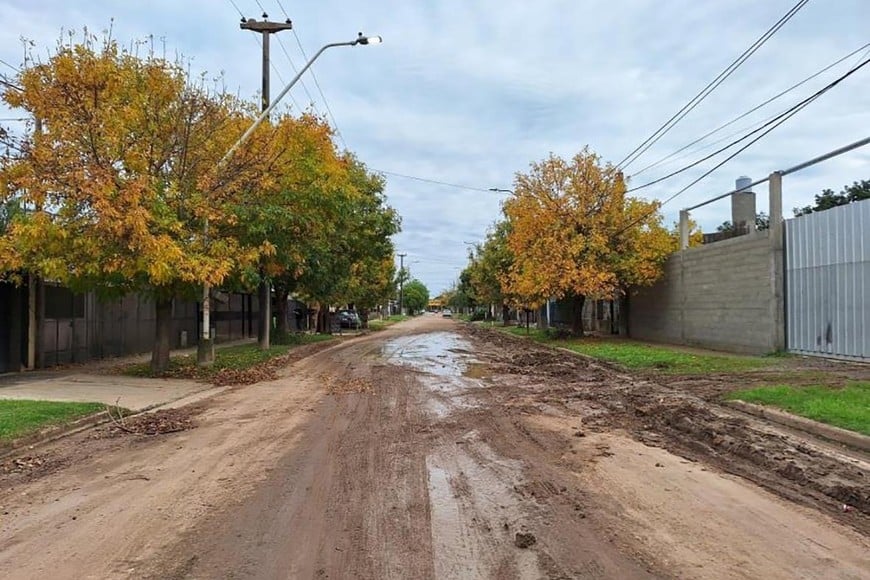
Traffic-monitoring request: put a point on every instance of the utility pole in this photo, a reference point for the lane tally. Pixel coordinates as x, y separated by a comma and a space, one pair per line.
264, 290
401, 282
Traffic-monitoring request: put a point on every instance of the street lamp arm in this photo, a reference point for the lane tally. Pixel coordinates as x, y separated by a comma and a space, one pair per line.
247, 134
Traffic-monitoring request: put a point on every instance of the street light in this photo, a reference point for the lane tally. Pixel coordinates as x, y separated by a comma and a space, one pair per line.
206, 289
497, 190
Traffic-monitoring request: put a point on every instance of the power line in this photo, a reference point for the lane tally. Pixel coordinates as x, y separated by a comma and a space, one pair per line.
322, 95
711, 86
752, 110
287, 54
15, 68
316, 82
775, 122
795, 110
433, 181
272, 64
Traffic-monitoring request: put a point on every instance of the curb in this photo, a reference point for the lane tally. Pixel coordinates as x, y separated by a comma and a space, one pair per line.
850, 438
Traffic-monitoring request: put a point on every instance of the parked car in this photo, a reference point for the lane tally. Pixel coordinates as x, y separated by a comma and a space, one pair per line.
348, 319
446, 313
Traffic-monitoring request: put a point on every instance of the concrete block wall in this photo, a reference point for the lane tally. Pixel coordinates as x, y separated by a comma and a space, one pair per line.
720, 296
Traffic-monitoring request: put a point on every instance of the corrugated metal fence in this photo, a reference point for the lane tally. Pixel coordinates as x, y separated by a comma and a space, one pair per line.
827, 263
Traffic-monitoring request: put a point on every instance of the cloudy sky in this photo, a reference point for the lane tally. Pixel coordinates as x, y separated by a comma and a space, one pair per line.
470, 92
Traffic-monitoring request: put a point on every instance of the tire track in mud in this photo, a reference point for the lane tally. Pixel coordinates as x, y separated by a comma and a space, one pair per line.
491, 514
698, 429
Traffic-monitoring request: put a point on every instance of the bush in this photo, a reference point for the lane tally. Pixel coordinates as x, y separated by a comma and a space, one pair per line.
287, 338
558, 333
478, 315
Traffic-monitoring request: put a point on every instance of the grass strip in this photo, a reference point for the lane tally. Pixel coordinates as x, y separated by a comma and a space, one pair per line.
636, 355
847, 407
238, 358
23, 417
382, 323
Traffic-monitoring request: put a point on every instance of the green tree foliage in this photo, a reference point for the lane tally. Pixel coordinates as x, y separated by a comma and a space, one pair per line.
416, 296
762, 222
488, 266
827, 199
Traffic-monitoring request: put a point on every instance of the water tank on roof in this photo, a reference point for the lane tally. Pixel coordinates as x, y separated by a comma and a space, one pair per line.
743, 206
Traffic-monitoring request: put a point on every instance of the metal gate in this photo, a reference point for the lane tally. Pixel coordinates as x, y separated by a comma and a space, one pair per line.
827, 263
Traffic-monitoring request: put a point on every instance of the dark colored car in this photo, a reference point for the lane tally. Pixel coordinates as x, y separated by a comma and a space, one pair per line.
348, 319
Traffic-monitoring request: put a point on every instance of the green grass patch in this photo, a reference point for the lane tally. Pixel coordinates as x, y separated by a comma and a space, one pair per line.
238, 357
636, 355
380, 324
19, 418
847, 407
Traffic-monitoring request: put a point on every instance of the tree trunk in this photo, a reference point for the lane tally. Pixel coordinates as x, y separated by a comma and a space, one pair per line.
364, 317
162, 336
505, 314
614, 329
264, 295
323, 326
282, 324
624, 306
577, 314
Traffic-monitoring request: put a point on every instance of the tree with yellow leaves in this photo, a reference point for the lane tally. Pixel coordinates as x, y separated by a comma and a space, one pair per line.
574, 233
118, 178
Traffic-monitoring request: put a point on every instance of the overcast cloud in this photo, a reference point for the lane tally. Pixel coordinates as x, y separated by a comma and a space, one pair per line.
471, 92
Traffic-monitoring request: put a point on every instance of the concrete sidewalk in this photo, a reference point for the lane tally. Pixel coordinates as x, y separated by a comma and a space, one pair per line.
133, 393
93, 382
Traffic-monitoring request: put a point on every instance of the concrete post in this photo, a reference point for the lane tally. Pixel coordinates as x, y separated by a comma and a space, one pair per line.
777, 266
684, 229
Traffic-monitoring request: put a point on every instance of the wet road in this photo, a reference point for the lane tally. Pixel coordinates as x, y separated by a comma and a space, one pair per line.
417, 452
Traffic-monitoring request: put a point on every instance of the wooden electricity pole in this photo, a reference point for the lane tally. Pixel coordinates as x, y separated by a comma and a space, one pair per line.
264, 290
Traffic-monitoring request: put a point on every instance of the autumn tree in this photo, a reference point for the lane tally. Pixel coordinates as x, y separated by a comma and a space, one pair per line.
120, 178
291, 208
574, 233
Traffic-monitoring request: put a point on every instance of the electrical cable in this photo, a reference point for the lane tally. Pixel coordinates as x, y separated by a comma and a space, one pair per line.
316, 82
775, 121
15, 68
433, 181
705, 92
287, 54
272, 64
750, 111
795, 110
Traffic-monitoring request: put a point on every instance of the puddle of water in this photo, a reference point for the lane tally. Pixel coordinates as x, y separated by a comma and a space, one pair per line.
445, 364
433, 353
477, 371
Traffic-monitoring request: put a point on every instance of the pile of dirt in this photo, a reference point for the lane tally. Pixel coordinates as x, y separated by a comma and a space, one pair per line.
156, 423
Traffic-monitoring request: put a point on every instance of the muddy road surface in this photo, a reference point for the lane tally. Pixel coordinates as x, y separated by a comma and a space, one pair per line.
439, 450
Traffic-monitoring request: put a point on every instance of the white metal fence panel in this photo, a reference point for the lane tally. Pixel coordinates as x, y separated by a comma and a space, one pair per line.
827, 263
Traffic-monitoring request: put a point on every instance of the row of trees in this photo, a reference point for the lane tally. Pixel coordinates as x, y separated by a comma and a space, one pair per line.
568, 231
119, 188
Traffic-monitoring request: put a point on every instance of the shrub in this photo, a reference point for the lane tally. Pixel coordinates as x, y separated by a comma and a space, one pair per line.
558, 333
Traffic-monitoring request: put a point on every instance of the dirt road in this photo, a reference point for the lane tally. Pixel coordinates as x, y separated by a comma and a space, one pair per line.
438, 450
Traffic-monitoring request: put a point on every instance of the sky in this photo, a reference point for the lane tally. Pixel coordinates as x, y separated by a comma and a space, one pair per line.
471, 92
